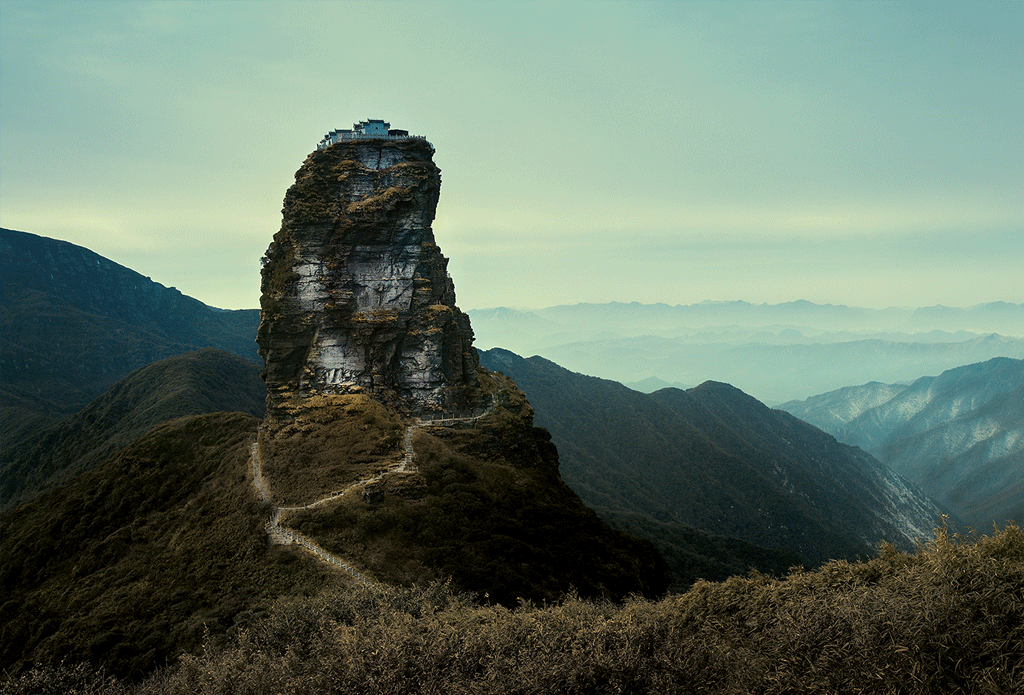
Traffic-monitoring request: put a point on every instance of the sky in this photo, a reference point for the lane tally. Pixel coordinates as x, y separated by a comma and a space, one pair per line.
860, 153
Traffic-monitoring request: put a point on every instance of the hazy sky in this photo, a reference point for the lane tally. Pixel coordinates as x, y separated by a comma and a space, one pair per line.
864, 153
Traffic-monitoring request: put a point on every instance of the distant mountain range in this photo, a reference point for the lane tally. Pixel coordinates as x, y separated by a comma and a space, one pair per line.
563, 323
959, 436
157, 534
715, 459
774, 352
114, 389
720, 534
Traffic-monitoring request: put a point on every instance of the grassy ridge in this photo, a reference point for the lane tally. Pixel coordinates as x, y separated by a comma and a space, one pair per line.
946, 619
482, 504
136, 559
490, 525
202, 381
325, 444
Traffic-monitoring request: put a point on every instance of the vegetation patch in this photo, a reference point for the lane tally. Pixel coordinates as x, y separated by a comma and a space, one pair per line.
137, 559
323, 444
948, 618
376, 316
385, 200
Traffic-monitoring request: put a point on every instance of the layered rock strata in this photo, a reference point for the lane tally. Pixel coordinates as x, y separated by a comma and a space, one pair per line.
356, 293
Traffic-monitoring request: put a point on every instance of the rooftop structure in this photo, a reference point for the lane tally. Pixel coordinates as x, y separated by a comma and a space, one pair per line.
365, 130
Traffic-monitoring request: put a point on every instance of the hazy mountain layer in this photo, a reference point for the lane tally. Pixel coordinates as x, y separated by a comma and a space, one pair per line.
930, 401
774, 352
778, 372
830, 411
959, 436
804, 321
717, 459
973, 462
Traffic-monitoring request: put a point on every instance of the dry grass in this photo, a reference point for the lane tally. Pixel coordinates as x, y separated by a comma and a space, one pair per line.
946, 619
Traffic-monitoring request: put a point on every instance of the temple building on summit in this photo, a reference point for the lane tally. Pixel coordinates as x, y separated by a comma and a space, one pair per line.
364, 130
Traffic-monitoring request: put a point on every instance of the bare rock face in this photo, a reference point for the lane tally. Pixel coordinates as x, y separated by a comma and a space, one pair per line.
356, 293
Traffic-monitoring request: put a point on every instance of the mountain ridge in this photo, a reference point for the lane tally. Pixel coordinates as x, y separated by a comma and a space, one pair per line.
728, 451
72, 323
486, 505
958, 434
193, 383
99, 286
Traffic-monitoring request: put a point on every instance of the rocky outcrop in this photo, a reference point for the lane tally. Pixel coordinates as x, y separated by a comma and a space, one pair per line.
356, 293
373, 382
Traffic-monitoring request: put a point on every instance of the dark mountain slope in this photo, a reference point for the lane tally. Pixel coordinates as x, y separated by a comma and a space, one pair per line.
484, 503
55, 358
98, 286
132, 562
845, 488
694, 554
194, 383
719, 460
73, 323
128, 564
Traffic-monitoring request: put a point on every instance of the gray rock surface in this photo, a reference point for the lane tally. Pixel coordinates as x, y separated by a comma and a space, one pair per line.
356, 294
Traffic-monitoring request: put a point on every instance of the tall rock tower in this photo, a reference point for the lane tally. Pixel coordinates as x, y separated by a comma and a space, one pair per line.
356, 293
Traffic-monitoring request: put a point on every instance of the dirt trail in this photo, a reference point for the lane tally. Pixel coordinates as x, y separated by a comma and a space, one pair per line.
283, 535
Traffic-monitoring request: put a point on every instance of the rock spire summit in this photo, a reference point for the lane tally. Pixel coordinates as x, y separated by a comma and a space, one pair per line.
356, 293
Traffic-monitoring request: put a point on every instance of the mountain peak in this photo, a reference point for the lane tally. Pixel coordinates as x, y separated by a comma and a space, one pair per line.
356, 293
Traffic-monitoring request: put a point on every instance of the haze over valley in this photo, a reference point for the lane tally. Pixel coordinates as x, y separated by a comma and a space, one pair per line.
775, 352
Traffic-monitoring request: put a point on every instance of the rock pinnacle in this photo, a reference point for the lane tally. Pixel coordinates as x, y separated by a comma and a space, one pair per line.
356, 294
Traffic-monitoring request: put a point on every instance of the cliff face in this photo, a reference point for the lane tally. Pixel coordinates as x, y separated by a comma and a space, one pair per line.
356, 294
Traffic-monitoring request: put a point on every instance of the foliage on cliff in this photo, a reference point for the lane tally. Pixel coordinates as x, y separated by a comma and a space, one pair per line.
948, 618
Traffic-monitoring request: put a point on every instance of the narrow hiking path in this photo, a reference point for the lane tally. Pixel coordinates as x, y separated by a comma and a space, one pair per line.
285, 536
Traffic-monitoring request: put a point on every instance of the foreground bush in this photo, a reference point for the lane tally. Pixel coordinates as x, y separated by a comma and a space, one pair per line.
947, 619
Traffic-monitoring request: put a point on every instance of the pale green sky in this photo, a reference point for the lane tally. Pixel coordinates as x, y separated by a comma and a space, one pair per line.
863, 153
